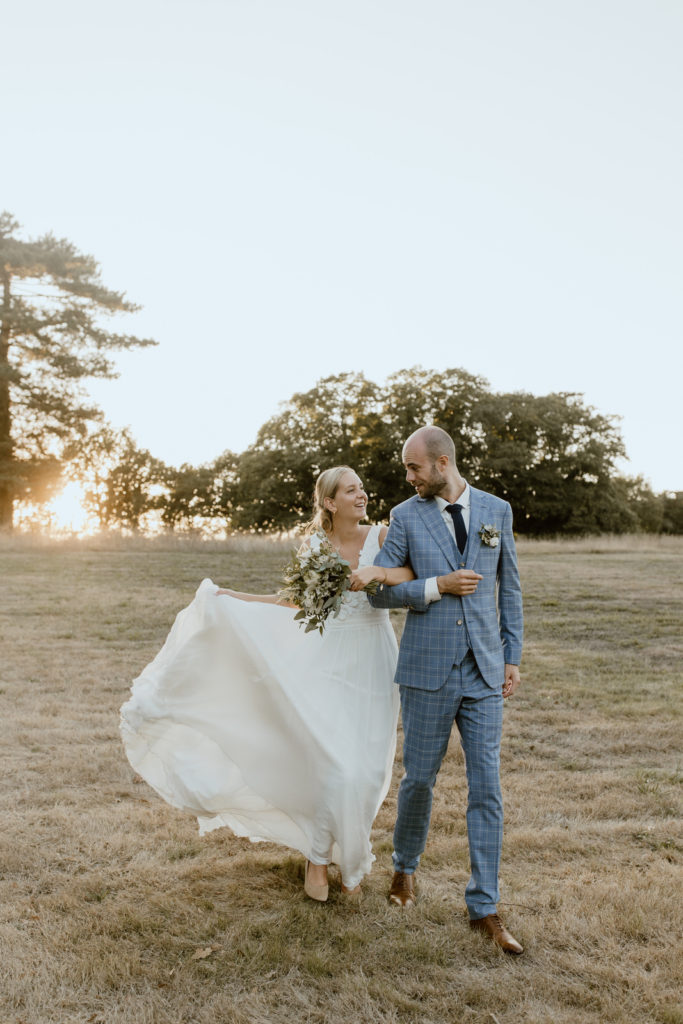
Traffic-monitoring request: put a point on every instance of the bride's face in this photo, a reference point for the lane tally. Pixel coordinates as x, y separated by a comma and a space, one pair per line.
350, 500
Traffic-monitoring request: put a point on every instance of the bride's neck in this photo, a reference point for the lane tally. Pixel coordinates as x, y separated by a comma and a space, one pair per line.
345, 531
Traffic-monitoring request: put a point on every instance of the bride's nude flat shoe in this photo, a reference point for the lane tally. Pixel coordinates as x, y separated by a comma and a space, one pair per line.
315, 892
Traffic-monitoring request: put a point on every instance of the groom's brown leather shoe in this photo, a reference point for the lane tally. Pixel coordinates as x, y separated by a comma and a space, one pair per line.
492, 926
402, 891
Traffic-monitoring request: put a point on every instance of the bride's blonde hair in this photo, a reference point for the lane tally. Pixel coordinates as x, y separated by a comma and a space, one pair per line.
326, 487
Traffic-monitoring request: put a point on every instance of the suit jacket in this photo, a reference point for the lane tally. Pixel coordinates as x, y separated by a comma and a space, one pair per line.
492, 616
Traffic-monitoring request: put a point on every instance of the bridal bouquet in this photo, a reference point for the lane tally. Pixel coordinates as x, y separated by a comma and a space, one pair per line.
315, 580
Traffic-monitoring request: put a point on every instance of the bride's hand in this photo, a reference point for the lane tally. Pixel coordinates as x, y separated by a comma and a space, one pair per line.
361, 577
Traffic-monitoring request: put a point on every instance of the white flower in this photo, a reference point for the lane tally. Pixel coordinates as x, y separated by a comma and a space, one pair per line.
490, 535
316, 541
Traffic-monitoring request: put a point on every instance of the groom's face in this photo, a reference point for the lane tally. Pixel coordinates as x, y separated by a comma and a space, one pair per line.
424, 475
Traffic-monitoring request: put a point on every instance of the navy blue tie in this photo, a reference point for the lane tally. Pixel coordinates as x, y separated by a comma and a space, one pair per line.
459, 524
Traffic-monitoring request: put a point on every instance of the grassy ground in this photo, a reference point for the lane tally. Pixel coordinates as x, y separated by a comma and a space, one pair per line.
115, 911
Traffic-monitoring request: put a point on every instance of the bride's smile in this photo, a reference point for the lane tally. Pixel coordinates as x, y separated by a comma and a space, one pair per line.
350, 500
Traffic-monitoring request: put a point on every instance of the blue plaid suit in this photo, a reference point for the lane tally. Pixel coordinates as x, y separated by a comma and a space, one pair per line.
451, 668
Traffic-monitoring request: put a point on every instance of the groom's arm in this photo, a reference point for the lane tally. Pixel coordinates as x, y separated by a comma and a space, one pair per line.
394, 554
510, 595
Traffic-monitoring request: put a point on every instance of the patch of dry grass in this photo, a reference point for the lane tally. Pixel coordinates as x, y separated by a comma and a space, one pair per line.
115, 540
109, 895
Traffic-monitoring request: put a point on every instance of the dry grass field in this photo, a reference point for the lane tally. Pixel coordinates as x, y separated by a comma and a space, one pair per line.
114, 910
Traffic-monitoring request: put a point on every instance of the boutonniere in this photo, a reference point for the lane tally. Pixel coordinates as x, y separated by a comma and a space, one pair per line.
490, 535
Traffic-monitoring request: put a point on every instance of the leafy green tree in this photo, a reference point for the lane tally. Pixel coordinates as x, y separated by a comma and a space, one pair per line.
90, 460
52, 338
316, 429
200, 496
190, 496
553, 458
347, 419
122, 482
136, 486
644, 506
410, 399
672, 512
225, 487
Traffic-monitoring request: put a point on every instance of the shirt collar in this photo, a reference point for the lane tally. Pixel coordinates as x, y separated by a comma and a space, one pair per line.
463, 500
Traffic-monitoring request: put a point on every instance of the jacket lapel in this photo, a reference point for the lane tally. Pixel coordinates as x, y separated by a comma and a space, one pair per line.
477, 509
433, 520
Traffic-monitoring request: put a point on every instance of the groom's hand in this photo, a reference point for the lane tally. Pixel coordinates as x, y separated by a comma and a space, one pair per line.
460, 582
512, 680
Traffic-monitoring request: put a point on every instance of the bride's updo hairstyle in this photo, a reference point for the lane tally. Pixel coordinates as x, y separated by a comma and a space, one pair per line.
325, 487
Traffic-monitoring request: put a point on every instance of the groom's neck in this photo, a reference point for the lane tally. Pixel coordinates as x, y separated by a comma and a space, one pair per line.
453, 488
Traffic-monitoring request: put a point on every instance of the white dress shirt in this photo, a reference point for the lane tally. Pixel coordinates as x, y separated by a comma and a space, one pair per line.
431, 586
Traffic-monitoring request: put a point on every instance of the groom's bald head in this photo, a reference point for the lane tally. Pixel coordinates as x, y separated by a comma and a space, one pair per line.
435, 442
429, 458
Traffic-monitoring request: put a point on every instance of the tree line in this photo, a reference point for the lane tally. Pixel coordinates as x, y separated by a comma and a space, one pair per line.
552, 457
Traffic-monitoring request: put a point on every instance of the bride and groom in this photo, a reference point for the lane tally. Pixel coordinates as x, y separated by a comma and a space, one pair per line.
247, 722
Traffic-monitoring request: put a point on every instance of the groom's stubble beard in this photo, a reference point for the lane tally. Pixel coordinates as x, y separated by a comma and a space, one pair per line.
435, 484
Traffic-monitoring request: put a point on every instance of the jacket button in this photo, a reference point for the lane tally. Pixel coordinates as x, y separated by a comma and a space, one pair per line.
460, 622
462, 565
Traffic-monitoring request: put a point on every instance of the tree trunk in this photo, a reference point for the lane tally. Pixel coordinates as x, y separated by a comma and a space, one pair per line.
6, 444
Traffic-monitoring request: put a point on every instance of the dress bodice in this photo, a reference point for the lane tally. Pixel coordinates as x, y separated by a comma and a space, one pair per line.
355, 604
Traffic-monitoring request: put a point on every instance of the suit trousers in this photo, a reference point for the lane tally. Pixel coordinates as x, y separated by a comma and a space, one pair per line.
428, 717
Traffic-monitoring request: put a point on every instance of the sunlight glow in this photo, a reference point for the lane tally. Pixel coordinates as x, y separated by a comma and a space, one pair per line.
67, 511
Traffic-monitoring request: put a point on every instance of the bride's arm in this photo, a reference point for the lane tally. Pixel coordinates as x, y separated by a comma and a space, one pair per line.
262, 598
265, 598
389, 577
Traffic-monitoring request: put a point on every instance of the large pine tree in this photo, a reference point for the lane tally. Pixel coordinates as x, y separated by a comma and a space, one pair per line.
52, 311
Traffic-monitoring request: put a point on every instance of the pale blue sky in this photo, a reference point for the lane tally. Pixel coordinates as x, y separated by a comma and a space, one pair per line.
295, 189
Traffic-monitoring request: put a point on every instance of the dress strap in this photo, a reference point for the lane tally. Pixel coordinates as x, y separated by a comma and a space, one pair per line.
371, 546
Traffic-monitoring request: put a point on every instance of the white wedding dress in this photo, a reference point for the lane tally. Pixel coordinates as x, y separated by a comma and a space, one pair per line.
246, 721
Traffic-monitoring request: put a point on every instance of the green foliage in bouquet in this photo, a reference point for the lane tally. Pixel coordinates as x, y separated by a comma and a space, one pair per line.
315, 580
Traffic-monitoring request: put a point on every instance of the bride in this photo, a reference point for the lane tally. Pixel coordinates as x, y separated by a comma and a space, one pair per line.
246, 721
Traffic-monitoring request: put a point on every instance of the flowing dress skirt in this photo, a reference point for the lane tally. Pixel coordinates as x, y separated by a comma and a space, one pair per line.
247, 722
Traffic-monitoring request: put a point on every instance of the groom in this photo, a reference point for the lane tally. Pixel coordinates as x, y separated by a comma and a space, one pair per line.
458, 659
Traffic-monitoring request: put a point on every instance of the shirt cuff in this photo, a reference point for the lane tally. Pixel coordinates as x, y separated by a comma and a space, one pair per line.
432, 590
